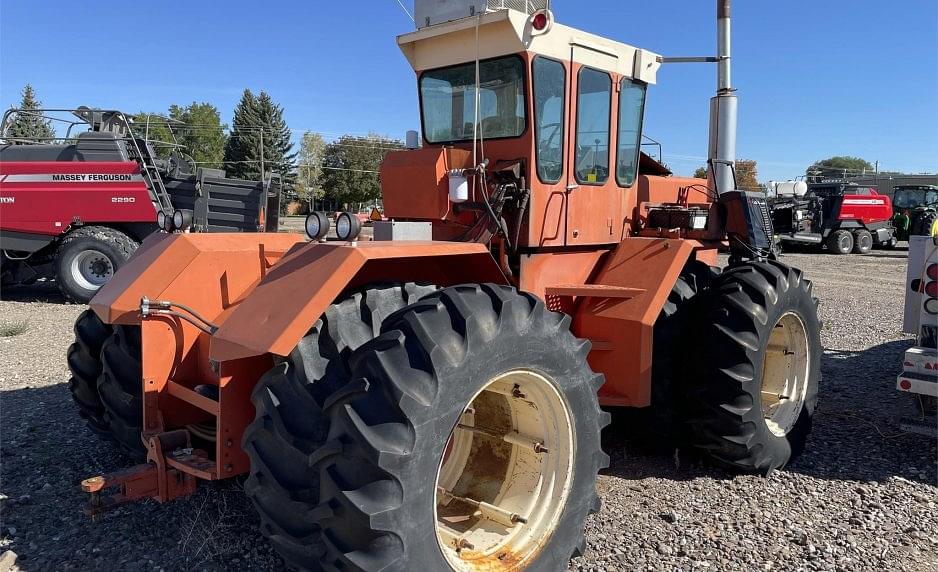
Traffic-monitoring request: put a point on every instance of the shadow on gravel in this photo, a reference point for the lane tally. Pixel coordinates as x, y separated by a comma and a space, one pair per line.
46, 450
44, 291
856, 436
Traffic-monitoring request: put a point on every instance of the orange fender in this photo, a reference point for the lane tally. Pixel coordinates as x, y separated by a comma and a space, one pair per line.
209, 272
296, 292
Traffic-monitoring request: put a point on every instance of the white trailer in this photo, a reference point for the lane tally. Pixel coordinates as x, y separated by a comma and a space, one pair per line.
919, 375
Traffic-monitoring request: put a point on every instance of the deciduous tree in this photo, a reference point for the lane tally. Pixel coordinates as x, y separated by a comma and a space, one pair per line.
838, 167
202, 133
350, 167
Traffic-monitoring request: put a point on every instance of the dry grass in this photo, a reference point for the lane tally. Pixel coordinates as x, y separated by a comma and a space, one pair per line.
14, 329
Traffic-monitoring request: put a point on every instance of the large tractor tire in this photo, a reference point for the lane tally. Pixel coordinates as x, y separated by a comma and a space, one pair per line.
752, 383
659, 423
289, 424
926, 224
862, 241
468, 438
105, 364
120, 387
840, 242
88, 257
84, 361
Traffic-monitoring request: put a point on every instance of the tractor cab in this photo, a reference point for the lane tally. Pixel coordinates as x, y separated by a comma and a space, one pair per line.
541, 120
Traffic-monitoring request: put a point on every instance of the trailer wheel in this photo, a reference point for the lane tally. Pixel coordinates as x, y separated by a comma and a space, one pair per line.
84, 361
88, 257
840, 242
289, 423
468, 438
120, 389
862, 241
753, 381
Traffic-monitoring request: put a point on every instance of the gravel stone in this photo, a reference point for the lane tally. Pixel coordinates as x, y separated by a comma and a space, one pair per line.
862, 497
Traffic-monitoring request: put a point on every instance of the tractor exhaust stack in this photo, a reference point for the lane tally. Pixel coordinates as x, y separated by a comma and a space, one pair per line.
723, 107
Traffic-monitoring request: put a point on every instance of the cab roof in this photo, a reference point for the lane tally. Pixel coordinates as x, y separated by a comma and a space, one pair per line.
506, 32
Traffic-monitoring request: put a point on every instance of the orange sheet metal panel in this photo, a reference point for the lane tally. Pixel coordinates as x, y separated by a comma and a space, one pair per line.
419, 174
207, 271
622, 329
295, 293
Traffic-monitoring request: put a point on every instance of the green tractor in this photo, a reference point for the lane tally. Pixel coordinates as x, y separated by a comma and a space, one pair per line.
915, 211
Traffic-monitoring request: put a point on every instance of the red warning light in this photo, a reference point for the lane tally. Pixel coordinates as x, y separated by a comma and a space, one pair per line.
540, 21
905, 384
932, 271
931, 289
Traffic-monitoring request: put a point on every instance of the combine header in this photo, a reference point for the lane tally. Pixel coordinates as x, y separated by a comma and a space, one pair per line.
432, 401
76, 208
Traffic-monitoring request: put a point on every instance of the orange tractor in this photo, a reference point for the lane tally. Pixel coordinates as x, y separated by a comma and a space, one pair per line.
432, 399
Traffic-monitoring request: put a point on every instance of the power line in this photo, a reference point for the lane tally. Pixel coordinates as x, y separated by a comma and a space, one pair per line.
404, 8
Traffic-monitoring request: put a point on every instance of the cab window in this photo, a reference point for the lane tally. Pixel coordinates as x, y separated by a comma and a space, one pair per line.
631, 110
448, 100
549, 78
594, 101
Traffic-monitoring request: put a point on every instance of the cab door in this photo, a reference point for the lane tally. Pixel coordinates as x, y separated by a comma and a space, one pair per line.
594, 202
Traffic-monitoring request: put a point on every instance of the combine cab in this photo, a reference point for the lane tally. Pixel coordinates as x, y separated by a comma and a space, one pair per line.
432, 401
843, 217
76, 209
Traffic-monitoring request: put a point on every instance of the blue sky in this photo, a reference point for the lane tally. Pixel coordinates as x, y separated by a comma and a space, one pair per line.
815, 78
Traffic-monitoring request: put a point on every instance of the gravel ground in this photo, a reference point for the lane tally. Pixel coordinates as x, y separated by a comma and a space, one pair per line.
863, 497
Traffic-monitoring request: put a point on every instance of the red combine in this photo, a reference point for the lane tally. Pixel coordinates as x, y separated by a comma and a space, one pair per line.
75, 209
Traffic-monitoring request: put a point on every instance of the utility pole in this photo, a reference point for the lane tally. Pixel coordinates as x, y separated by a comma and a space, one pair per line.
262, 154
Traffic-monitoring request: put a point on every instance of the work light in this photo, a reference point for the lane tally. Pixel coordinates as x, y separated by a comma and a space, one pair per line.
161, 220
317, 225
347, 227
182, 219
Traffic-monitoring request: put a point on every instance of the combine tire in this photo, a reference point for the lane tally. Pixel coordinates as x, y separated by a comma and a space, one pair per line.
752, 388
88, 257
84, 361
840, 242
468, 437
289, 423
121, 390
862, 241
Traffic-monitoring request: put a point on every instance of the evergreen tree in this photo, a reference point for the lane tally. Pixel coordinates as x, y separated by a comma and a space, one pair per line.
203, 134
29, 127
258, 133
243, 141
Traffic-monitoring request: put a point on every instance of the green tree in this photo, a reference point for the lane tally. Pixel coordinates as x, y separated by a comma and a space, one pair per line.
259, 135
30, 127
154, 128
350, 167
838, 167
202, 133
700, 173
309, 167
747, 175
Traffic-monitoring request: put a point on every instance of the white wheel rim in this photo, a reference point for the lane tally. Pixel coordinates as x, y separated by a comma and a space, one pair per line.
785, 374
91, 269
505, 474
